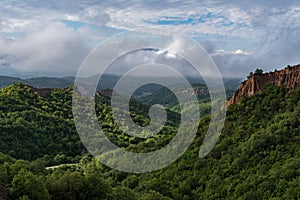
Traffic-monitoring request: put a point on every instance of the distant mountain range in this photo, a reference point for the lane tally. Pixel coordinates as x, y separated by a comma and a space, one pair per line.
107, 82
39, 82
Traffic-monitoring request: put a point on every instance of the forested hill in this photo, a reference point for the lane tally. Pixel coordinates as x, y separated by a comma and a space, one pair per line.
33, 126
257, 156
38, 122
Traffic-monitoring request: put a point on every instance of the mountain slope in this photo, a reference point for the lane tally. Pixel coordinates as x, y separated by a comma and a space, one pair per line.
35, 122
257, 157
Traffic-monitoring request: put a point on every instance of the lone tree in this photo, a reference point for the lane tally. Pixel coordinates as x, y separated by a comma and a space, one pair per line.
258, 71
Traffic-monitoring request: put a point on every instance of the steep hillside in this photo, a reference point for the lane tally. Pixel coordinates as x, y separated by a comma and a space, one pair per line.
257, 156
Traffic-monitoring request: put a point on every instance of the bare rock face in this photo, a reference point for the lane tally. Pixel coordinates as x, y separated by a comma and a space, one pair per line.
289, 77
43, 92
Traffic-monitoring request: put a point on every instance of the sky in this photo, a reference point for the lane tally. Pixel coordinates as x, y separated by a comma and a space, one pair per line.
52, 37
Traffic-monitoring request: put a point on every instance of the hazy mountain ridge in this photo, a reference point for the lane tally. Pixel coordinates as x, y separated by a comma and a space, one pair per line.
108, 82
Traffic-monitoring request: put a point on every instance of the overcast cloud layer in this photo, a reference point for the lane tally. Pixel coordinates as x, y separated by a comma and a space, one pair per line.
53, 37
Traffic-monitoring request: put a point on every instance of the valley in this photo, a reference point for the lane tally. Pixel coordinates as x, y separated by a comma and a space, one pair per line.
257, 156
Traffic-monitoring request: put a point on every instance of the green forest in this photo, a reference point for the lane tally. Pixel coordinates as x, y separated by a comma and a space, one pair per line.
42, 157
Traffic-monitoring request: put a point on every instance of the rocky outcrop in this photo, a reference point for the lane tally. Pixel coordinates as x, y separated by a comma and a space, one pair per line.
43, 92
289, 77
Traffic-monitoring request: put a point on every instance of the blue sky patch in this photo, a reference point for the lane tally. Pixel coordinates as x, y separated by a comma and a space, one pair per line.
73, 24
192, 19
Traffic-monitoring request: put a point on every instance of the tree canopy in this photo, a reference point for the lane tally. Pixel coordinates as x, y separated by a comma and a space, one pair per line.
257, 156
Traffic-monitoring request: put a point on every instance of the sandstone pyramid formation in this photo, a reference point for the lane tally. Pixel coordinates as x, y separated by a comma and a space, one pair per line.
289, 77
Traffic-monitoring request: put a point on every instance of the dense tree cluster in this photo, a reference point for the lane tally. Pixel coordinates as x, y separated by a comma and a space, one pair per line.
32, 126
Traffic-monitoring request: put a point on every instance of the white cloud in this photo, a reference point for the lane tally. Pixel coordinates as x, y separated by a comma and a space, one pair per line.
178, 44
234, 52
54, 47
41, 42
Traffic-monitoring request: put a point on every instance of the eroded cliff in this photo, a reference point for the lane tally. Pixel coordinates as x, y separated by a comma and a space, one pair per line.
289, 77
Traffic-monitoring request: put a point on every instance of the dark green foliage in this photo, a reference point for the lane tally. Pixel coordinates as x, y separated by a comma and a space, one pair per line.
257, 156
258, 71
27, 185
32, 126
76, 185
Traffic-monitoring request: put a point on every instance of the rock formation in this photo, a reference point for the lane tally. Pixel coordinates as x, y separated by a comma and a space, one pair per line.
43, 92
289, 77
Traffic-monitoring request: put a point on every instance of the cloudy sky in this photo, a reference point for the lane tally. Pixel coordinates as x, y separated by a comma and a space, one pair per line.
52, 37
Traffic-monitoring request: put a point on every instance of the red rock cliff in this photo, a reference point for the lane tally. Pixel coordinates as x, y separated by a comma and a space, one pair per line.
289, 77
43, 92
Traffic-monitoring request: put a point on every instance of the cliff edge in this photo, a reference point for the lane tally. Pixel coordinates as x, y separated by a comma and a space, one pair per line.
289, 77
